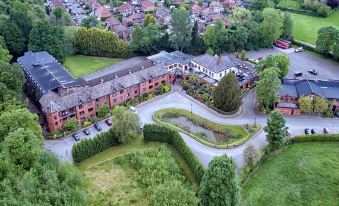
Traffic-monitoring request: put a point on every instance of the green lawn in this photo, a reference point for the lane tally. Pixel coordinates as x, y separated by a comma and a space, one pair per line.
306, 27
79, 65
290, 4
300, 174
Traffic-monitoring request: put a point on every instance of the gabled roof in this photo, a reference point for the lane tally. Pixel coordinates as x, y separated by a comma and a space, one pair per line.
125, 6
112, 21
101, 11
210, 62
166, 58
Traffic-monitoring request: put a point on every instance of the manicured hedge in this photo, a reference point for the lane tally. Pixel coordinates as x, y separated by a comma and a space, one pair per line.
89, 147
316, 138
154, 132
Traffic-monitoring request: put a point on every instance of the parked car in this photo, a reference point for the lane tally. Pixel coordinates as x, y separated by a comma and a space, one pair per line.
97, 127
86, 131
75, 137
297, 50
288, 132
260, 58
313, 72
326, 130
108, 122
133, 109
313, 131
307, 131
298, 74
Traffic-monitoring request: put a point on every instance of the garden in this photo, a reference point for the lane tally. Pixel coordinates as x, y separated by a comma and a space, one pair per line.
298, 174
207, 132
79, 65
145, 177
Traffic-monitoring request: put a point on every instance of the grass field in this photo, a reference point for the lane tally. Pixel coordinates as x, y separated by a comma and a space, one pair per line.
129, 178
300, 174
79, 65
306, 27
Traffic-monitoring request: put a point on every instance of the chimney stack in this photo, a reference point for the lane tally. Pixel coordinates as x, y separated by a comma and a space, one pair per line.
129, 71
219, 60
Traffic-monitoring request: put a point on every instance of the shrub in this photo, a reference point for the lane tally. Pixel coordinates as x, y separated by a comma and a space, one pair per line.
103, 111
86, 123
251, 155
153, 132
89, 147
316, 138
70, 125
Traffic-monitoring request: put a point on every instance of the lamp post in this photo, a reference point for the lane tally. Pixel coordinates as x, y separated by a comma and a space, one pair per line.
191, 108
255, 122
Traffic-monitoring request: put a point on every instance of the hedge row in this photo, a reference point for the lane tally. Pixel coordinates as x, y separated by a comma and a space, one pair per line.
154, 132
316, 138
299, 11
89, 147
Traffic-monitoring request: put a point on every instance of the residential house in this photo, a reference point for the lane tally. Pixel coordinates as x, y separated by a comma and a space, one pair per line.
292, 89
163, 15
196, 10
229, 4
112, 22
123, 32
147, 5
102, 13
212, 18
135, 19
56, 4
125, 9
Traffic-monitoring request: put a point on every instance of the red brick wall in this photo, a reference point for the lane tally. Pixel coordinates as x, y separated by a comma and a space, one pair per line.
288, 111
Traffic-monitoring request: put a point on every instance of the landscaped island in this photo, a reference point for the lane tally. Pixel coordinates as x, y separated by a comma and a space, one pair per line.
207, 132
299, 174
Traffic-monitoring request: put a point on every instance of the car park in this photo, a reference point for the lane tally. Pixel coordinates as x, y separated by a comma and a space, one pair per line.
297, 50
86, 131
75, 137
313, 72
108, 122
313, 131
307, 131
97, 127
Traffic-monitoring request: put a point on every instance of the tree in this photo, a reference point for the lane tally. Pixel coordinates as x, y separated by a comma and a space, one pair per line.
69, 39
149, 19
287, 26
219, 186
22, 20
59, 17
251, 155
180, 35
13, 36
144, 39
240, 16
5, 57
276, 130
320, 104
267, 87
243, 55
270, 27
332, 3
326, 39
126, 124
90, 22
70, 124
227, 95
253, 37
46, 37
305, 104
260, 4
103, 111
197, 43
240, 35
216, 36
280, 61
23, 147
336, 48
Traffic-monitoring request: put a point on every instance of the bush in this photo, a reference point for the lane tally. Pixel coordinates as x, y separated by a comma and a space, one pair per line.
153, 132
70, 125
103, 111
315, 138
89, 147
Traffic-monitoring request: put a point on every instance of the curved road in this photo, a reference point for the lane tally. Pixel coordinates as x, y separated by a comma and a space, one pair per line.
206, 154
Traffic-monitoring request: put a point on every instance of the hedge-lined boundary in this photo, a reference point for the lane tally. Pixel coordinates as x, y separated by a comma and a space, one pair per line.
315, 138
154, 132
89, 147
305, 11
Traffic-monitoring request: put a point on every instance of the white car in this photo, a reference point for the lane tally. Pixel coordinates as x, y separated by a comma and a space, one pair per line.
133, 109
300, 49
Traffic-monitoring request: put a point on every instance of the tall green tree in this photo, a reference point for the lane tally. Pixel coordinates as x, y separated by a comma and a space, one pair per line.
69, 39
227, 95
149, 19
253, 38
180, 35
144, 40
260, 4
197, 43
270, 27
287, 26
216, 36
46, 37
219, 186
276, 130
5, 57
90, 22
336, 48
326, 39
59, 17
23, 21
240, 35
240, 16
267, 87
280, 61
305, 104
13, 36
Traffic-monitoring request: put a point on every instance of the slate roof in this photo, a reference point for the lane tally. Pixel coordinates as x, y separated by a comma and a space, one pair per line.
298, 88
53, 102
166, 58
210, 62
46, 72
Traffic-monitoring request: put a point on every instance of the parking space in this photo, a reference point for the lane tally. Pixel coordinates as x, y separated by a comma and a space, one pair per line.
302, 62
63, 147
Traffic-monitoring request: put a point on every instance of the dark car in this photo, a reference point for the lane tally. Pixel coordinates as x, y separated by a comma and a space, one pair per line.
97, 127
313, 72
75, 137
298, 74
313, 131
307, 131
326, 130
108, 122
86, 131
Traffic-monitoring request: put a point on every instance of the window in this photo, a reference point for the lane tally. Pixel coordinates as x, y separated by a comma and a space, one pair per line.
122, 91
136, 92
55, 117
72, 109
156, 84
163, 81
114, 100
150, 87
143, 90
80, 106
56, 123
82, 113
150, 81
90, 109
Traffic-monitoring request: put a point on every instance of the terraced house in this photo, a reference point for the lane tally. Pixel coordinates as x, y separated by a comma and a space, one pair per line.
62, 97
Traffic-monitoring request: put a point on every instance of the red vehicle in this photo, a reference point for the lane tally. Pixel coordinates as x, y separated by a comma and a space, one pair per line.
283, 44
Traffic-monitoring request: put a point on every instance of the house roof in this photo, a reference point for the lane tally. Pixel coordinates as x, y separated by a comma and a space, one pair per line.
53, 102
125, 6
166, 58
103, 12
147, 5
139, 15
56, 3
196, 9
304, 87
162, 12
47, 72
112, 21
210, 62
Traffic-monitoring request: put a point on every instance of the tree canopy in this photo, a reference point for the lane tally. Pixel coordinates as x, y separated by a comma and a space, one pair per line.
276, 130
180, 36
